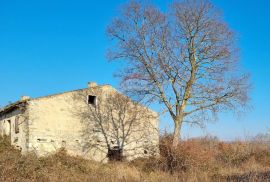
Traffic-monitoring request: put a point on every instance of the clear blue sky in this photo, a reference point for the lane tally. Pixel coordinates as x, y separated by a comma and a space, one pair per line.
53, 46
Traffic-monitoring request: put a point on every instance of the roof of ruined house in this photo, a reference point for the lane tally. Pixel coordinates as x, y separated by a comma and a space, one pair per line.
12, 106
22, 103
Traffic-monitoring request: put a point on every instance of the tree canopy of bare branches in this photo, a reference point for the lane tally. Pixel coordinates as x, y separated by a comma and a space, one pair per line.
185, 58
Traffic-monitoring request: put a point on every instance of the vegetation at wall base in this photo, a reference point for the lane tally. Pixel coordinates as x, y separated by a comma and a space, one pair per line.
201, 159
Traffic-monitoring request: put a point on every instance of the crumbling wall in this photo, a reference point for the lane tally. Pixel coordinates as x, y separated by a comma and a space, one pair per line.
54, 124
8, 126
51, 126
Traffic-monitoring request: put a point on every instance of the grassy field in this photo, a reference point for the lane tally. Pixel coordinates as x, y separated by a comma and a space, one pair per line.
203, 159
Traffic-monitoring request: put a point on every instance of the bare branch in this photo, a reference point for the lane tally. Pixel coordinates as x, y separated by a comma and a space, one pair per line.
185, 59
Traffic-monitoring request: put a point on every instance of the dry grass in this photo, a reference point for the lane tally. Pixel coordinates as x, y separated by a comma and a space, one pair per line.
203, 159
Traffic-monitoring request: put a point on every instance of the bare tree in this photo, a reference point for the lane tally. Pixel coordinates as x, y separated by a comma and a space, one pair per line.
185, 59
115, 125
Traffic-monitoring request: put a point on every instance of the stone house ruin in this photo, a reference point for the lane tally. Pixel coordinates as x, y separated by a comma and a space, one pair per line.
80, 122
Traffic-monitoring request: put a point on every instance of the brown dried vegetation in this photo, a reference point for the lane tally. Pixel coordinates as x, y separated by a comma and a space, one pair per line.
203, 159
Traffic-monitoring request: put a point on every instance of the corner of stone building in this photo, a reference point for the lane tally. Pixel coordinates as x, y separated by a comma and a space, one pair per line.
26, 117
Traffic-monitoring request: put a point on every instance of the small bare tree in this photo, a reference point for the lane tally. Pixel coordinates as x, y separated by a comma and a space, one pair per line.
116, 125
185, 59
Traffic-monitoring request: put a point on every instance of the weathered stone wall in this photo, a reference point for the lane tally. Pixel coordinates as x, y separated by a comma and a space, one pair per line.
52, 125
145, 140
55, 122
7, 127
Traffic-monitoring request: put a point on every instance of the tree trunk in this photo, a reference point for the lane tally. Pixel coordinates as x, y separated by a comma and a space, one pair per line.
176, 133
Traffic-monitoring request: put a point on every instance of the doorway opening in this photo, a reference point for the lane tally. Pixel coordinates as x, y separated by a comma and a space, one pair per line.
8, 128
115, 154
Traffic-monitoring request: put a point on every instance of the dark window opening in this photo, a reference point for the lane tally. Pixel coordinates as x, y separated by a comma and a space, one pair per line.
115, 154
9, 127
17, 129
42, 140
92, 100
145, 152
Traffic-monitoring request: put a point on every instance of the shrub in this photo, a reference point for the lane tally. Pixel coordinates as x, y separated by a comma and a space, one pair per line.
200, 159
233, 153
